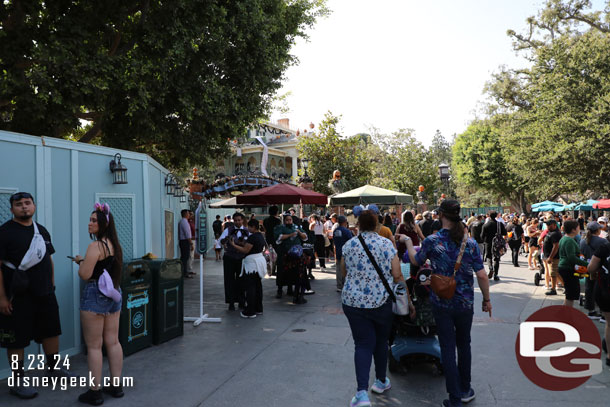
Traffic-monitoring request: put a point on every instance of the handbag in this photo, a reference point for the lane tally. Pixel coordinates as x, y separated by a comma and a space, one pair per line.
444, 286
399, 295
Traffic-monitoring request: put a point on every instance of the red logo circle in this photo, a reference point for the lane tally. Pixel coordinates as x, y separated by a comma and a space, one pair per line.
558, 367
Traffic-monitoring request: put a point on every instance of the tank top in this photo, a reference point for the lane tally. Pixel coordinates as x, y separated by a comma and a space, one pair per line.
402, 230
100, 265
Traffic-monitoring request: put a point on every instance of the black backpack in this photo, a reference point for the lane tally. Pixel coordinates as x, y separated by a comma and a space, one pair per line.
498, 244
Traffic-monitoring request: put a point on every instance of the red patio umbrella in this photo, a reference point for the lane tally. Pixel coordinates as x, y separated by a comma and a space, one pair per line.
282, 194
603, 204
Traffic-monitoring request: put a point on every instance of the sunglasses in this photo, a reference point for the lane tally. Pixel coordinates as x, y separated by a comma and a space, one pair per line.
19, 196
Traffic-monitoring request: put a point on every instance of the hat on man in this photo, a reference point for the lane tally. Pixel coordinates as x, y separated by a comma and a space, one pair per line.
603, 219
594, 226
451, 209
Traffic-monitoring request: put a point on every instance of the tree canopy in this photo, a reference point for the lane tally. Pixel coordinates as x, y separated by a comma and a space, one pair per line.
173, 79
549, 123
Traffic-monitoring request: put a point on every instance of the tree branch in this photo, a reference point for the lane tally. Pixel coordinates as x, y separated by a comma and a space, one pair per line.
92, 133
89, 115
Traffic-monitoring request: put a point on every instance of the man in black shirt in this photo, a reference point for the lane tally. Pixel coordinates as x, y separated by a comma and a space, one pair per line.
476, 229
217, 226
514, 242
550, 249
490, 230
269, 224
426, 224
28, 307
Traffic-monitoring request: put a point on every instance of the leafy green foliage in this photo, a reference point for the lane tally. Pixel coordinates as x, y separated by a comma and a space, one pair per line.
328, 151
171, 79
551, 120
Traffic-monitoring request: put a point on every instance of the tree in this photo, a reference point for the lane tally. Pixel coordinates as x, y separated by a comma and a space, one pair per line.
481, 162
403, 163
171, 79
556, 113
327, 151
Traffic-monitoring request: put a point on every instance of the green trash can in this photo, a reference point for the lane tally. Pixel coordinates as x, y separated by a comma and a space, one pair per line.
168, 299
136, 314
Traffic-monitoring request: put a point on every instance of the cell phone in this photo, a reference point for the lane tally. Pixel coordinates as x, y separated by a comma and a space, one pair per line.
71, 258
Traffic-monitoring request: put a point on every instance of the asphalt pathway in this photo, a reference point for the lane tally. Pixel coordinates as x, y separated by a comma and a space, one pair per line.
302, 356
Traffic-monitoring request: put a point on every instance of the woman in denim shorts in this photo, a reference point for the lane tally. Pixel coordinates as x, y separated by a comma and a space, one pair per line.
100, 313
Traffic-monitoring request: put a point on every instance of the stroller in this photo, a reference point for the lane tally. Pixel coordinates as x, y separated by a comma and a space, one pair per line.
539, 275
415, 341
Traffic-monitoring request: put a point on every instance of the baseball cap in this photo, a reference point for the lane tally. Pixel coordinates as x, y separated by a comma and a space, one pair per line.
451, 209
593, 226
426, 214
341, 219
603, 219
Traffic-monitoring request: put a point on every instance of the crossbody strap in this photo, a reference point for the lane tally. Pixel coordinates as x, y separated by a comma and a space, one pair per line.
374, 263
458, 262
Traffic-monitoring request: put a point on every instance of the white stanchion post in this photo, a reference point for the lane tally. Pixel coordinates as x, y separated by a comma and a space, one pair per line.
202, 317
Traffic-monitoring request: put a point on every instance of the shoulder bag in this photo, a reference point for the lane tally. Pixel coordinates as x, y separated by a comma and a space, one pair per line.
444, 286
399, 296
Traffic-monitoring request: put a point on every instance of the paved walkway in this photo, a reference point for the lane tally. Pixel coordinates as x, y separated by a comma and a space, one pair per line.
302, 356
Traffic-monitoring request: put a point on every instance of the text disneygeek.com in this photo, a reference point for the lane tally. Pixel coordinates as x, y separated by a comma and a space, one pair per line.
64, 383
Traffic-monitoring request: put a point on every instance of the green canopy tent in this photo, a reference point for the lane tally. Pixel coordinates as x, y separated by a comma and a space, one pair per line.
369, 194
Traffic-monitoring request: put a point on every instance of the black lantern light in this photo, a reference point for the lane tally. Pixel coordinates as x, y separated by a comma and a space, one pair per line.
305, 179
178, 191
183, 198
118, 170
170, 183
443, 173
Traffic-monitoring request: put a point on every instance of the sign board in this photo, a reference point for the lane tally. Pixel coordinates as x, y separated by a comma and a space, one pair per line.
201, 217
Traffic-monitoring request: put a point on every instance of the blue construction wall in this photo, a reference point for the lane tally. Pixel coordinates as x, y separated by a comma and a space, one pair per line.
66, 179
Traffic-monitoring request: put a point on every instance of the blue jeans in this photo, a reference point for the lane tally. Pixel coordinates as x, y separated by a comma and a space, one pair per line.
371, 329
453, 328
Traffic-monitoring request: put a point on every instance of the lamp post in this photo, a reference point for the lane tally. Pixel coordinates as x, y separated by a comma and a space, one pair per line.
305, 181
443, 172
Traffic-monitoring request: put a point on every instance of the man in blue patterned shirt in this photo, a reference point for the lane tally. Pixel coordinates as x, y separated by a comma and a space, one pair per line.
454, 316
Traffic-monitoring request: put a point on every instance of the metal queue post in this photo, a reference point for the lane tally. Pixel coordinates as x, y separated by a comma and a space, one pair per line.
201, 224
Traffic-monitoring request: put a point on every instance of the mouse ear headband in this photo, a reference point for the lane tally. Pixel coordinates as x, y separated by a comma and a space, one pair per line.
361, 208
104, 208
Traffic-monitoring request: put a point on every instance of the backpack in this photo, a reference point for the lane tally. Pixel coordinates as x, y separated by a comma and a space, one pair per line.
498, 244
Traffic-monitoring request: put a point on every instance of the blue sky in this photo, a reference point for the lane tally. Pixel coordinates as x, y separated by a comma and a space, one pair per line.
403, 63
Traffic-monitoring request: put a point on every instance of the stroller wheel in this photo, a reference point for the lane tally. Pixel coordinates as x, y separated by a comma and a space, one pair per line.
604, 346
581, 300
537, 279
438, 369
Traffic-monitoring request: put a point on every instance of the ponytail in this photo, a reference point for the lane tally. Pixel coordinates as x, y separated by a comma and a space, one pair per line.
588, 236
456, 232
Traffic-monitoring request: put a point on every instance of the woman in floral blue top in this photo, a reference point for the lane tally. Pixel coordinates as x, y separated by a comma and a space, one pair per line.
454, 317
366, 304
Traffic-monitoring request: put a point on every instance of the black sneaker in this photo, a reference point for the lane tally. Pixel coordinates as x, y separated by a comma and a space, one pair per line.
594, 315
299, 301
468, 397
114, 391
279, 294
231, 307
93, 397
311, 276
496, 278
246, 315
23, 392
551, 292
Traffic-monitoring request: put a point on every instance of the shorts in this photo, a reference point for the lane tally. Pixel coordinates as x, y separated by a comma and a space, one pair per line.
554, 268
526, 239
602, 298
33, 317
93, 300
571, 283
218, 249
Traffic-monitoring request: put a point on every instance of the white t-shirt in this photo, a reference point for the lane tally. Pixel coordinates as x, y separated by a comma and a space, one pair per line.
318, 228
